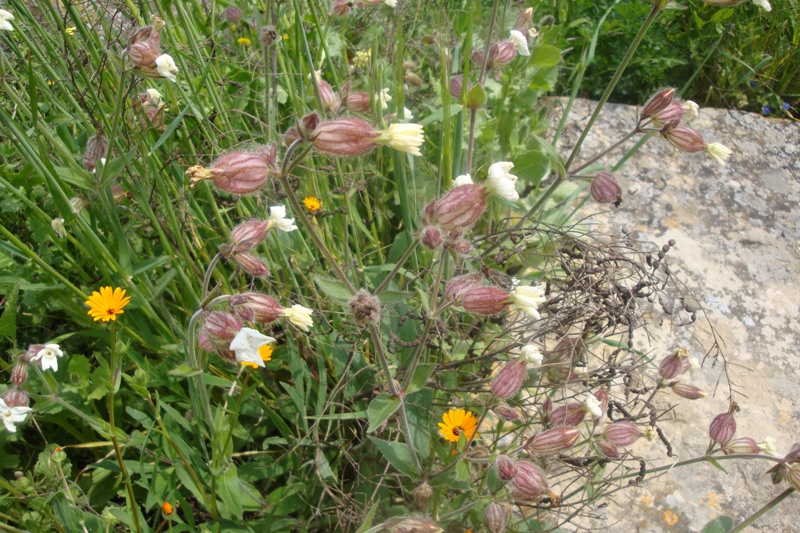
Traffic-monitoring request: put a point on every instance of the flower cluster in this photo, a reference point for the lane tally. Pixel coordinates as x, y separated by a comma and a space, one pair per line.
144, 52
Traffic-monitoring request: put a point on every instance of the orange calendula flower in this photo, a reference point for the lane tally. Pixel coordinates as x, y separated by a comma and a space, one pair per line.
166, 508
107, 304
456, 422
312, 203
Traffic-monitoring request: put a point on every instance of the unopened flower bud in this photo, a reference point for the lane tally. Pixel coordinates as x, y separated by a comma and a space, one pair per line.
722, 428
622, 433
256, 307
685, 139
792, 476
412, 79
341, 7
524, 20
16, 397
457, 85
460, 246
607, 449
330, 101
358, 102
238, 172
460, 207
251, 264
506, 469
741, 445
267, 35
411, 525
502, 53
422, 496
530, 483
485, 300
96, 149
671, 115
658, 101
345, 137
20, 372
233, 14
687, 391
496, 517
431, 237
674, 365
366, 308
553, 440
605, 189
570, 414
509, 379
458, 285
248, 235
506, 412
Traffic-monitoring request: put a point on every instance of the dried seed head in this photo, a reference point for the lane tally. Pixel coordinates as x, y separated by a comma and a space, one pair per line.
530, 483
605, 189
505, 468
366, 308
96, 149
553, 440
722, 428
422, 496
496, 517
267, 35
509, 379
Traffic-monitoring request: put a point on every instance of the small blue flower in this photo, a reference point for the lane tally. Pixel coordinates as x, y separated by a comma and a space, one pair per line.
752, 83
786, 106
766, 110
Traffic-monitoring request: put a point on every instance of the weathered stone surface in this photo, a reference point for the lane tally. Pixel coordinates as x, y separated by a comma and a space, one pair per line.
737, 230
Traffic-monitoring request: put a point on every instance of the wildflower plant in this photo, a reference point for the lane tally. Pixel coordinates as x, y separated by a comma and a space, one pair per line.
439, 343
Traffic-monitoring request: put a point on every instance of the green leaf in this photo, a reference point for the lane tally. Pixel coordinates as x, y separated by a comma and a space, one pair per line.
184, 370
8, 321
716, 464
532, 166
230, 493
367, 524
545, 55
393, 297
438, 115
420, 378
323, 466
335, 289
721, 524
79, 178
545, 79
380, 408
397, 454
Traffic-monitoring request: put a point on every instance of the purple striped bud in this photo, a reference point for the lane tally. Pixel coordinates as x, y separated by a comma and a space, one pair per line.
671, 115
96, 149
345, 137
658, 101
251, 264
219, 329
238, 172
505, 468
330, 101
685, 139
431, 237
460, 207
622, 433
359, 102
570, 414
741, 445
256, 307
502, 53
607, 449
458, 285
722, 428
602, 397
506, 412
496, 517
15, 397
485, 300
233, 14
605, 189
674, 365
20, 371
248, 235
689, 392
553, 440
509, 379
530, 483
792, 476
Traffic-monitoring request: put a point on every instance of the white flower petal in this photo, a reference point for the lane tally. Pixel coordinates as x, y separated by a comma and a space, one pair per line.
501, 182
520, 42
5, 20
764, 4
166, 66
246, 344
464, 179
532, 354
299, 316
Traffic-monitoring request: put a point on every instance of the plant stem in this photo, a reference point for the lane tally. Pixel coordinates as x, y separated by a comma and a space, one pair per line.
397, 267
766, 508
602, 153
112, 381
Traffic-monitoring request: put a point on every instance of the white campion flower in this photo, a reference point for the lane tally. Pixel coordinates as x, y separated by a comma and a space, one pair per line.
405, 137
768, 446
5, 23
532, 355
593, 406
520, 42
384, 98
247, 345
299, 316
393, 3
48, 356
58, 226
407, 114
13, 415
501, 182
718, 152
528, 298
763, 4
691, 110
155, 97
463, 179
166, 66
277, 219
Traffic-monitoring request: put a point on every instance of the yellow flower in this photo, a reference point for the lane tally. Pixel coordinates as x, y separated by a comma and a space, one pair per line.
243, 41
70, 31
107, 304
362, 58
265, 352
312, 203
166, 508
457, 421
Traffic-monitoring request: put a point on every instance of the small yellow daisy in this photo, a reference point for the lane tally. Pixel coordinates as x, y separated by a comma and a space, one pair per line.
312, 203
458, 421
107, 304
243, 41
70, 31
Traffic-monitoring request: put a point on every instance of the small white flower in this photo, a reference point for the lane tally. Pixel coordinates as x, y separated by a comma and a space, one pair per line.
593, 406
691, 110
528, 299
407, 114
13, 415
166, 66
246, 345
694, 365
5, 24
384, 98
520, 42
299, 316
764, 4
532, 354
768, 446
155, 97
719, 152
58, 226
393, 3
277, 218
463, 179
49, 356
500, 182
405, 137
